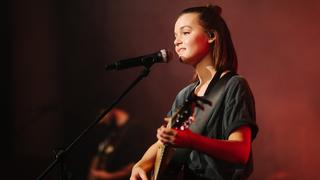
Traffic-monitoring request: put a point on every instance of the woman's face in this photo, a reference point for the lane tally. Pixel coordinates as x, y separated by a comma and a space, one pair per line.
191, 40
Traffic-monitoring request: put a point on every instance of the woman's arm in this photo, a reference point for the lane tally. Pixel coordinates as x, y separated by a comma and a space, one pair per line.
236, 149
146, 163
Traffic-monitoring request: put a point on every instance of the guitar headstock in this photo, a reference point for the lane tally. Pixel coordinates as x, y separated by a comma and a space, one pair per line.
183, 118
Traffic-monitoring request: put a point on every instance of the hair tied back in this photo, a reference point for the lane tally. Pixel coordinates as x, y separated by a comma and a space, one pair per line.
216, 9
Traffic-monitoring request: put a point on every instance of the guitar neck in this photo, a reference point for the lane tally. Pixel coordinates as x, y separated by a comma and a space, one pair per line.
165, 152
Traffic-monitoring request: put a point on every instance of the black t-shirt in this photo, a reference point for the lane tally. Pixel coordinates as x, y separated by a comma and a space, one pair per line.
234, 108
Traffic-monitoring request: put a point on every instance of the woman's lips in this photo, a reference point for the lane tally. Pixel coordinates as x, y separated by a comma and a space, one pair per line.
179, 50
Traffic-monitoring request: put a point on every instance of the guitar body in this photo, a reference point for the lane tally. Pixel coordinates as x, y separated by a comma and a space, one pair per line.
163, 158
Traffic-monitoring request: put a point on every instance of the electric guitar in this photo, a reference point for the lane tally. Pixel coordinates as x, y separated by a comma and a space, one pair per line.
181, 119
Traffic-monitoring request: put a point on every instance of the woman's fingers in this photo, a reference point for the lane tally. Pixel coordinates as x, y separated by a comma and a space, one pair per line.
138, 174
167, 119
166, 135
143, 175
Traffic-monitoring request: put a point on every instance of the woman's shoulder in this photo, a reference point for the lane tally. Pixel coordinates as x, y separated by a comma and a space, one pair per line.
184, 92
181, 97
237, 80
238, 85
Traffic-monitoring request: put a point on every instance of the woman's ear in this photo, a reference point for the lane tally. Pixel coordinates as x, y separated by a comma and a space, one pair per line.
212, 38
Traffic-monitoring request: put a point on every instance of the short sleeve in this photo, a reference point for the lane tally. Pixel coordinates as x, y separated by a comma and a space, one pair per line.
239, 107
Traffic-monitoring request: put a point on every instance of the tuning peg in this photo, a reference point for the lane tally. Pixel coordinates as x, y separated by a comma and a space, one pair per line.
191, 119
186, 112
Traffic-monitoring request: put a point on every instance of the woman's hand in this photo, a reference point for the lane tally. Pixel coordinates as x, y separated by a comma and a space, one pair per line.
138, 173
176, 137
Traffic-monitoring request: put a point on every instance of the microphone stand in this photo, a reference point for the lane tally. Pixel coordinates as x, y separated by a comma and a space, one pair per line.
61, 154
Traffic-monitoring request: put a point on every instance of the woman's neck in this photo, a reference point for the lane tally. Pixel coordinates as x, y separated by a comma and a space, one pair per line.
205, 70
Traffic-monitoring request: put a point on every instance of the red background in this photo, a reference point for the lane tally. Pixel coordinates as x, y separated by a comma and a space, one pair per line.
57, 82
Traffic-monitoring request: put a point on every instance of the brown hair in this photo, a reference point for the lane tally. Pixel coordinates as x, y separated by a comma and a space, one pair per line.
224, 55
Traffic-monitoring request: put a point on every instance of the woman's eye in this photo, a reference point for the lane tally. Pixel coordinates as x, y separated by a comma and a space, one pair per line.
186, 33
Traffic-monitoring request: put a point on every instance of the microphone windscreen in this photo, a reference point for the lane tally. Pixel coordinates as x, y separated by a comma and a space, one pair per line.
166, 55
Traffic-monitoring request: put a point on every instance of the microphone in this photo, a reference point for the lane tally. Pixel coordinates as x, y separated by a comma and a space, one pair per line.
162, 56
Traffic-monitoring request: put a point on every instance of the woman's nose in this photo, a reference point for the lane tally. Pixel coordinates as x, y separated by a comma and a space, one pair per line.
177, 41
